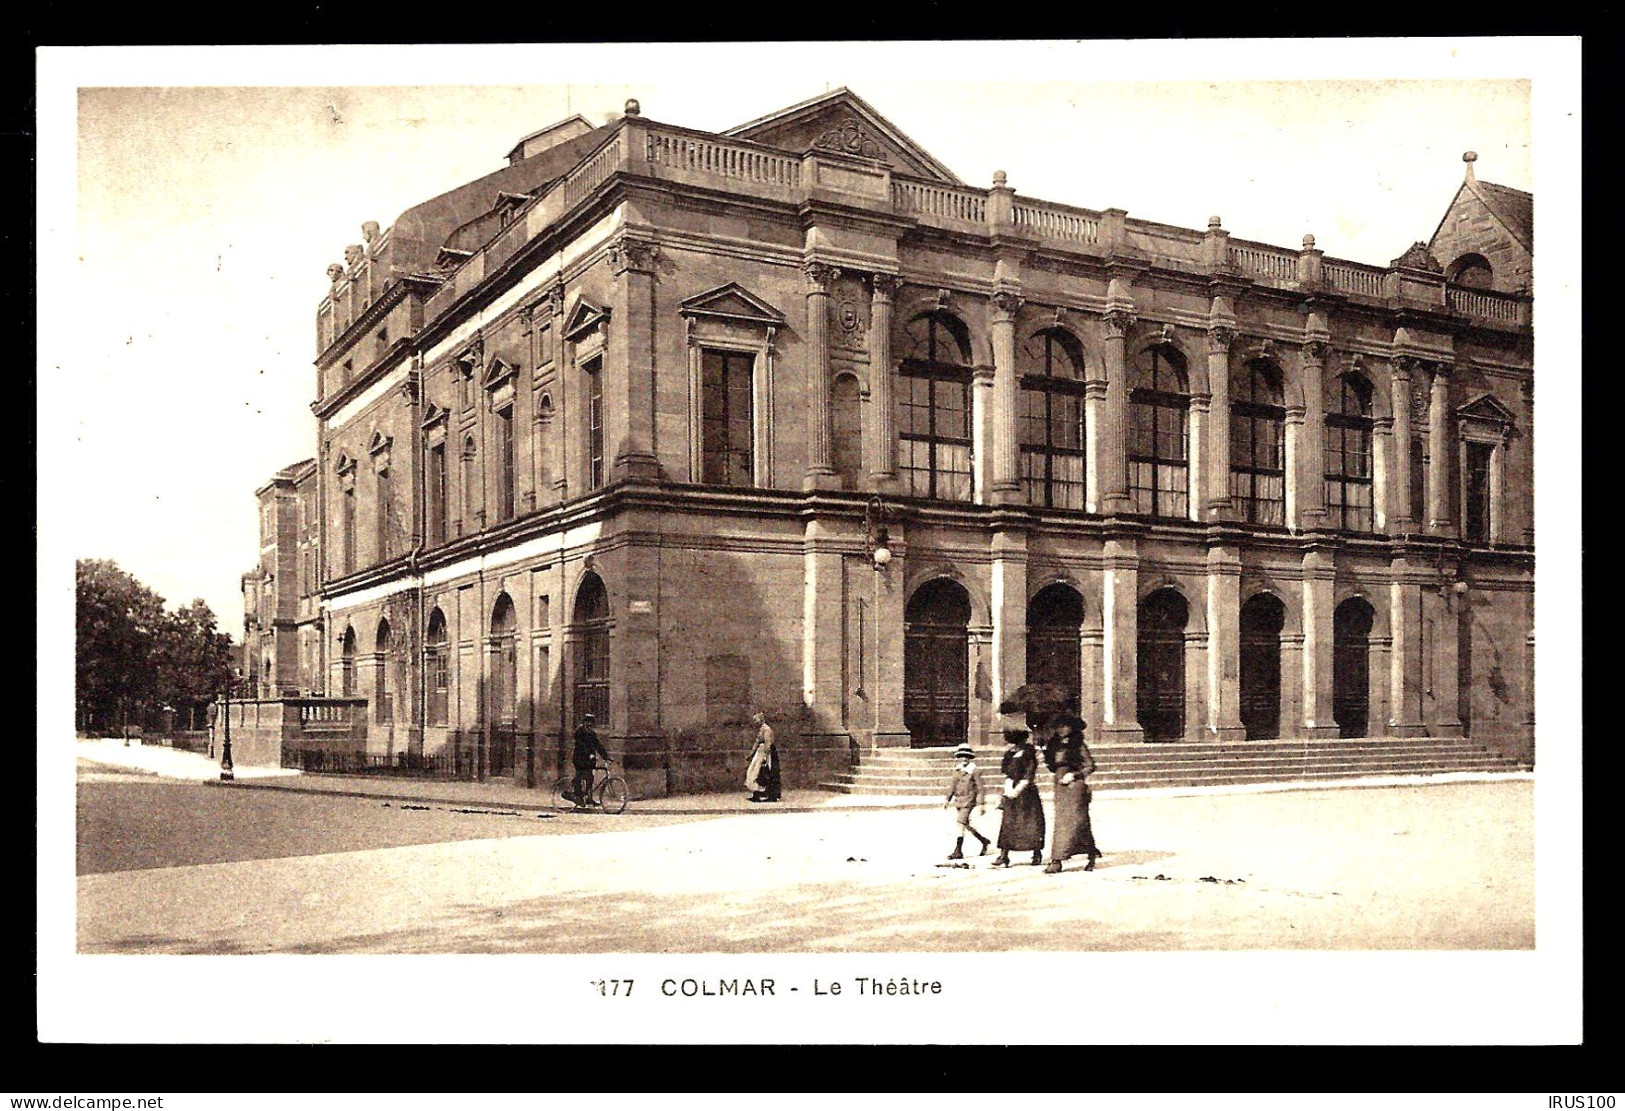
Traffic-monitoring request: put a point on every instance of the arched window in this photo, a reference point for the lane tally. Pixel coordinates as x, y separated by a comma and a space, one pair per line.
1159, 447
437, 667
1051, 424
504, 662
590, 633
934, 408
1258, 444
1473, 271
347, 663
384, 682
1348, 454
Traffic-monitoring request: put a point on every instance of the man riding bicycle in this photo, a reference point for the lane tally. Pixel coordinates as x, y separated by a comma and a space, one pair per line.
588, 751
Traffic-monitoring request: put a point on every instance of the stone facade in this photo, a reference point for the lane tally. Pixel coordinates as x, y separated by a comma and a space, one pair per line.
281, 602
623, 425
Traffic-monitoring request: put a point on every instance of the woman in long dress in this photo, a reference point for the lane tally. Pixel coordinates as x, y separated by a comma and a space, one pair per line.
1021, 821
1069, 758
762, 774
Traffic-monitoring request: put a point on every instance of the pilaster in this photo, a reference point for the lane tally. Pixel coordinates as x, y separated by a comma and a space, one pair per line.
1311, 472
632, 262
1223, 673
1120, 597
1405, 656
1318, 571
1005, 486
1439, 453
823, 604
820, 473
883, 465
1009, 603
1221, 334
1402, 520
1111, 460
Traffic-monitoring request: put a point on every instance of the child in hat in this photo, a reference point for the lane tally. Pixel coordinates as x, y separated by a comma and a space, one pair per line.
965, 792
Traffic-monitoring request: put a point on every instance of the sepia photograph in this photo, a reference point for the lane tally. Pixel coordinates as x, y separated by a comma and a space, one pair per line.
812, 533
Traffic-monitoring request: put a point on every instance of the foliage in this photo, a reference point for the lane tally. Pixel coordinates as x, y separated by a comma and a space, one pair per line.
135, 661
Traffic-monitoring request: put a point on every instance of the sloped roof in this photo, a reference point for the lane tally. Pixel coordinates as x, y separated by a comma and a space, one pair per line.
1513, 207
842, 109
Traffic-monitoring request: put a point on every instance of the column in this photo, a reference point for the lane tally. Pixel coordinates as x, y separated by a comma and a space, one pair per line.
981, 433
1404, 656
1120, 596
1094, 416
1111, 460
1093, 667
1402, 518
1382, 452
1377, 687
1291, 680
1219, 338
1311, 473
820, 473
1197, 650
1318, 570
632, 262
1444, 612
1200, 453
883, 464
823, 603
1439, 453
1294, 453
1005, 487
1224, 643
1009, 604
886, 642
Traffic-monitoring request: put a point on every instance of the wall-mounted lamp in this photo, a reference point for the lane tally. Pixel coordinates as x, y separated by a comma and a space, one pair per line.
874, 528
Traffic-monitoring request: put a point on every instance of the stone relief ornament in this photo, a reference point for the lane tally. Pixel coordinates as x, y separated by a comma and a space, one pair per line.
849, 137
1219, 339
1419, 258
846, 314
1118, 322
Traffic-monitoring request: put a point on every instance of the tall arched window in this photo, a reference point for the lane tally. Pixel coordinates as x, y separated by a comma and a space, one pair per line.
1258, 444
384, 682
504, 662
347, 663
934, 408
1051, 424
437, 667
1158, 445
590, 639
1348, 454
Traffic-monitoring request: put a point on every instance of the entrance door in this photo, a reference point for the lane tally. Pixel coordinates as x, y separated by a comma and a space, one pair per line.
1351, 668
1054, 652
1261, 621
936, 672
1161, 651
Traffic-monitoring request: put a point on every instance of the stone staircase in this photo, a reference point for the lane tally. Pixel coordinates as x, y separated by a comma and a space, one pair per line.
924, 772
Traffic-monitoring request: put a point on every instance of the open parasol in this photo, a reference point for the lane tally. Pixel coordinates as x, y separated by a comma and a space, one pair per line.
1036, 698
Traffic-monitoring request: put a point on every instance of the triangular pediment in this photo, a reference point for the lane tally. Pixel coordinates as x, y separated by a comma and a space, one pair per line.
497, 373
733, 302
379, 442
842, 122
581, 316
434, 414
1485, 407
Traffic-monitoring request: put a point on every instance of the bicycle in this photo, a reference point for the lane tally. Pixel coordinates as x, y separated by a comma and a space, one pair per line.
608, 792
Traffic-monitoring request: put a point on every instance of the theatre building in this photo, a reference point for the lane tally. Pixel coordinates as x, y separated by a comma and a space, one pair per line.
670, 426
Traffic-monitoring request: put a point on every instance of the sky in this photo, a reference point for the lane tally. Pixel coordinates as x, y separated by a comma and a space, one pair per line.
214, 187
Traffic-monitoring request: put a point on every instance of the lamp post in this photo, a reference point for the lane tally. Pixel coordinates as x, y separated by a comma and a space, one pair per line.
874, 527
227, 773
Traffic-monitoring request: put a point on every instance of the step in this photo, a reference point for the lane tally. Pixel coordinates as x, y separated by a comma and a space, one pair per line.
1151, 767
1156, 751
1216, 780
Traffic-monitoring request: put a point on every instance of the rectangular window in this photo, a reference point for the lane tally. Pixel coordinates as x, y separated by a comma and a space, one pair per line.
595, 423
727, 430
347, 509
1479, 457
439, 682
437, 494
384, 508
505, 463
934, 413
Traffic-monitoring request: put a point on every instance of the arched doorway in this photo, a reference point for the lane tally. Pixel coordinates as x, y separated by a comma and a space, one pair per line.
503, 685
1161, 652
1054, 652
1261, 621
936, 655
589, 629
1351, 667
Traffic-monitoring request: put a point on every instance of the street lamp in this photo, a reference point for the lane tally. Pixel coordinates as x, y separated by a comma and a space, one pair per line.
874, 527
227, 773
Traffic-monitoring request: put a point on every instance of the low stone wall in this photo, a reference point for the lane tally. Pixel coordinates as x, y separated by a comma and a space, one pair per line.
262, 729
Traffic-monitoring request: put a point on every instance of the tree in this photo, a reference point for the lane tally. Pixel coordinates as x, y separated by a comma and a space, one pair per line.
134, 660
117, 624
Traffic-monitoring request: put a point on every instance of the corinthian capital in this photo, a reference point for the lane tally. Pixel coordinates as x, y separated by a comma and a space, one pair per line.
1006, 303
820, 276
1315, 352
1118, 322
627, 253
1219, 339
885, 286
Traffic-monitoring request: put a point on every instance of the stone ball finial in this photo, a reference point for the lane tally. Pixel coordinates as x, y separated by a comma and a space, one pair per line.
369, 230
1309, 242
335, 272
1470, 156
999, 177
632, 108
1214, 223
